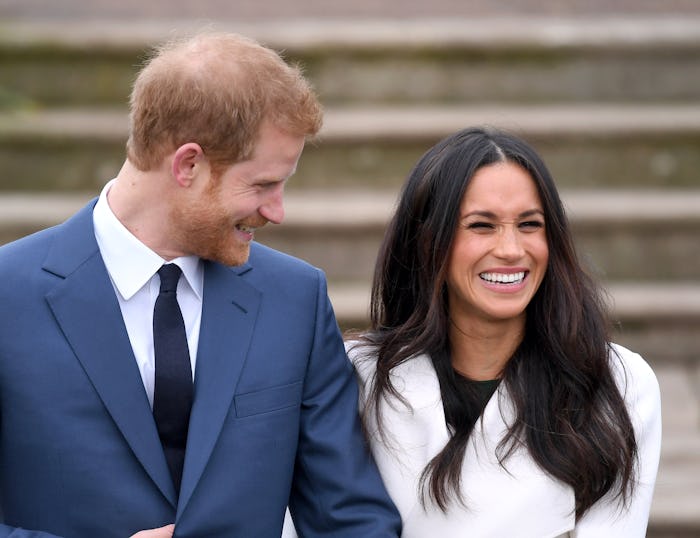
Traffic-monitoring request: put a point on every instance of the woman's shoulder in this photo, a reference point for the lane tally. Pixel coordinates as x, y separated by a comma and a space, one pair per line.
624, 360
415, 378
633, 374
363, 357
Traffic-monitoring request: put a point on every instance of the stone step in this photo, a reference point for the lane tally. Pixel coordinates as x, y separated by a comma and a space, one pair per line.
675, 505
660, 302
622, 235
362, 10
457, 59
645, 313
674, 510
340, 232
586, 145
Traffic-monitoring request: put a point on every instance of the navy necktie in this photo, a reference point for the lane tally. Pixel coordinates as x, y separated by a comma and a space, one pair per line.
172, 397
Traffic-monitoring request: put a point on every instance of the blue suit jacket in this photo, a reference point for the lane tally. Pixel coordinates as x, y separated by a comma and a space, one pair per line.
274, 418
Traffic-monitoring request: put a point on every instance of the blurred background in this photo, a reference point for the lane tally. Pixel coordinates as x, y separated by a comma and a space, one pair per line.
607, 90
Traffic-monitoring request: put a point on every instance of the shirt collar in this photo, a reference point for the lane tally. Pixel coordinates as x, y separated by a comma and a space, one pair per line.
129, 262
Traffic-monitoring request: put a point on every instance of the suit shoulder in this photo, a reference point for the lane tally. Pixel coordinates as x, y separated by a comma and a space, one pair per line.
26, 250
264, 258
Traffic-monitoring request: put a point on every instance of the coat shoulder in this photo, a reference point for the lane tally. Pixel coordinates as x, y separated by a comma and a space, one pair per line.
633, 374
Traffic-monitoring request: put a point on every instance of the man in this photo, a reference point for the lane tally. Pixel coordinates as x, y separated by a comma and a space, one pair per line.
199, 399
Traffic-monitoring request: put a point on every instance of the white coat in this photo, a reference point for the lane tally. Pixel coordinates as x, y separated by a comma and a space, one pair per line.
522, 502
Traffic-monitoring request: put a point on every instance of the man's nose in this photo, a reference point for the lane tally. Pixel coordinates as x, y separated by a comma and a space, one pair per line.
273, 208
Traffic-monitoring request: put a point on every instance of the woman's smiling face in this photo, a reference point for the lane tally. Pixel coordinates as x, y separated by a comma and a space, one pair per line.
499, 253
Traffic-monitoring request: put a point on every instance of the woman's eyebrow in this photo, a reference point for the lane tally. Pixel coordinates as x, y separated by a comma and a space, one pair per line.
492, 215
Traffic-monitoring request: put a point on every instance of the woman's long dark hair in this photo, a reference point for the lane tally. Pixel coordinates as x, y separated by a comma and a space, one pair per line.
569, 412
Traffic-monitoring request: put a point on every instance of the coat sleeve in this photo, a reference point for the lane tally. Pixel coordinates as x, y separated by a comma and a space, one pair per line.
640, 389
337, 490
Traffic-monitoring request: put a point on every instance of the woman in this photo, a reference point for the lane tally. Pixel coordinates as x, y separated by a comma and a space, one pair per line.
492, 399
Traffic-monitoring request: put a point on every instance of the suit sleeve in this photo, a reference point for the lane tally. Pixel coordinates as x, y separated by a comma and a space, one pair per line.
608, 519
12, 532
337, 490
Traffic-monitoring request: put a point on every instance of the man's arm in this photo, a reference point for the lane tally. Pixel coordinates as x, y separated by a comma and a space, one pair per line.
13, 532
337, 490
161, 532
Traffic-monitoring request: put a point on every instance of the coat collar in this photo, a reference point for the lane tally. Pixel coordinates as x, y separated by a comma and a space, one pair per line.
419, 432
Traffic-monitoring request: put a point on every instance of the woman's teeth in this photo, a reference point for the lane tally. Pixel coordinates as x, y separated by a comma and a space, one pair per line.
503, 278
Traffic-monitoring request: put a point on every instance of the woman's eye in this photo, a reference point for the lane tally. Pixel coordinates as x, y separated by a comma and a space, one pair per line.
531, 225
479, 226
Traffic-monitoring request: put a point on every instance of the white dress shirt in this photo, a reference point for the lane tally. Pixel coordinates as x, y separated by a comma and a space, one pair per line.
132, 268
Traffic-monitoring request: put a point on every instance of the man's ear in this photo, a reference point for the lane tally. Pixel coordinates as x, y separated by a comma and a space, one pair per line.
187, 163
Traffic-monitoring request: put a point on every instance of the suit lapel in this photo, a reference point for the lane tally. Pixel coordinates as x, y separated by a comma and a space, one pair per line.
86, 309
230, 307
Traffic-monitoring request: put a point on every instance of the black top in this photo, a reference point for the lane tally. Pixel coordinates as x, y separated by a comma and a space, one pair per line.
483, 389
480, 391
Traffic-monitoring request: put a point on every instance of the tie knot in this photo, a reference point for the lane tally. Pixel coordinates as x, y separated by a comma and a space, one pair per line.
169, 276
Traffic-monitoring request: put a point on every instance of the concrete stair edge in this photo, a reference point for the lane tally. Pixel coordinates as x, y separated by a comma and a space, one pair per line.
492, 32
630, 301
398, 123
335, 211
365, 208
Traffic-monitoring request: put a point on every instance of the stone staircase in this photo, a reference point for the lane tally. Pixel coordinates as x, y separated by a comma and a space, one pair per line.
613, 105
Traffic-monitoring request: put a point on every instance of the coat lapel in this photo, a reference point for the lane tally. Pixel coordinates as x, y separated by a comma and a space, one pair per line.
229, 312
422, 432
86, 309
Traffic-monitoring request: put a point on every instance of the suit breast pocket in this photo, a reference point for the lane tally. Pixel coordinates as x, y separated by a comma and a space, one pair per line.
268, 400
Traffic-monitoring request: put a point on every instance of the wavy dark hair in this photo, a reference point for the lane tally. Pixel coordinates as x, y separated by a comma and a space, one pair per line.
569, 412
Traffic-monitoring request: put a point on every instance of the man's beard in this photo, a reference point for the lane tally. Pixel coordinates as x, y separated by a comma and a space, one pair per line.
205, 230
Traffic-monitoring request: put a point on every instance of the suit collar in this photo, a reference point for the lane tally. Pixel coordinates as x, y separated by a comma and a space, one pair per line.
73, 243
85, 294
86, 308
130, 273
